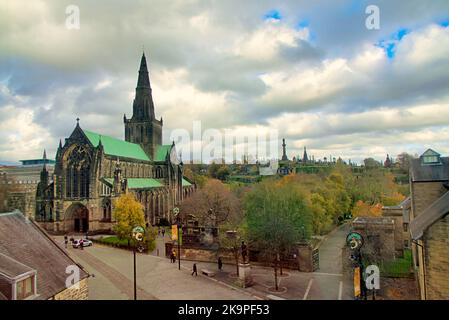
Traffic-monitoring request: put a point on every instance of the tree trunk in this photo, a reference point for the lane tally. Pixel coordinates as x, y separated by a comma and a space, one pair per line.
276, 275
236, 255
280, 263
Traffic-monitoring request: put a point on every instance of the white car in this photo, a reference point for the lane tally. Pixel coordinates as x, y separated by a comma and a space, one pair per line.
86, 243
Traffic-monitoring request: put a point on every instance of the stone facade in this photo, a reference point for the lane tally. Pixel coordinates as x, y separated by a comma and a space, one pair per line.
379, 235
429, 224
424, 193
92, 170
80, 291
18, 187
437, 260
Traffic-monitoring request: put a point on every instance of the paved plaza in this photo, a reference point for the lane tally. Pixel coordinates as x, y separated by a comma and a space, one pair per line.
111, 272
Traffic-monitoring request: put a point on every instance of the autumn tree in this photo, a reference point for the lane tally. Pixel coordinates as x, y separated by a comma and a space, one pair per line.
128, 213
363, 209
212, 204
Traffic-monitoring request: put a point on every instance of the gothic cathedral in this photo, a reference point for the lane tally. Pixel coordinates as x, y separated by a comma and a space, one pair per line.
92, 169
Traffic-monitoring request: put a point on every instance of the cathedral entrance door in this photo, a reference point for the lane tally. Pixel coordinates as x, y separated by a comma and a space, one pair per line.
77, 218
77, 225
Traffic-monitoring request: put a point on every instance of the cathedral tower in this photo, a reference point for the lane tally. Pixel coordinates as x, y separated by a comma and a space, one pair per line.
143, 128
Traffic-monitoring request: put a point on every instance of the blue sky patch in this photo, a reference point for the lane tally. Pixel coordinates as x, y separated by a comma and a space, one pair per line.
389, 45
444, 23
273, 14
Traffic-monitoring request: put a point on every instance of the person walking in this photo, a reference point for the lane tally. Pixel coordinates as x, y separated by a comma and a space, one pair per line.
194, 270
81, 244
220, 264
66, 241
163, 232
174, 256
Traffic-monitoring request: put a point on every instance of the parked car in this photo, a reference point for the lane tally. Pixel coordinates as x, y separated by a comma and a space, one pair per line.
86, 243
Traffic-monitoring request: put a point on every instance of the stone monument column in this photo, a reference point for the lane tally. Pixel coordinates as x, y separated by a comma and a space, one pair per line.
245, 279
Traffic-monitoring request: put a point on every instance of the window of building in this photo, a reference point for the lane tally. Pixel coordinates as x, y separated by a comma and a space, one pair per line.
431, 159
78, 173
405, 225
25, 288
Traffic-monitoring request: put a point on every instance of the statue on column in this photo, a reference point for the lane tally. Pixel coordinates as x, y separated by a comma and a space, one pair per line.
244, 250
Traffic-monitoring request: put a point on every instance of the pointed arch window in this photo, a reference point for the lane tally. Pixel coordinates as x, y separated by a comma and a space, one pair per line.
78, 173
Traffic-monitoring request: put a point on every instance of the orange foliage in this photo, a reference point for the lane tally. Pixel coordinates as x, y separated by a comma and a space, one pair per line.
363, 209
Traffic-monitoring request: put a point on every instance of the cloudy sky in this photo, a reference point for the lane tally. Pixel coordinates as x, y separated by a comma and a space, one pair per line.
310, 69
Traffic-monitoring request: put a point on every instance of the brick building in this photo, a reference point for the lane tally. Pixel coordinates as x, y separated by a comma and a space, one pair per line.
429, 224
33, 266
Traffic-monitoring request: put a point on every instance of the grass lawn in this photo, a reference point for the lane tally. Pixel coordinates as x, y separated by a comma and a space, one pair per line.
113, 240
398, 268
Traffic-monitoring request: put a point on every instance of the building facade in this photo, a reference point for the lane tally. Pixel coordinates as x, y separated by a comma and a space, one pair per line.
429, 224
18, 185
91, 170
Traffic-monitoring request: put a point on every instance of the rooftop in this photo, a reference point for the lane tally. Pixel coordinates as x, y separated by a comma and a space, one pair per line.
25, 242
429, 167
116, 147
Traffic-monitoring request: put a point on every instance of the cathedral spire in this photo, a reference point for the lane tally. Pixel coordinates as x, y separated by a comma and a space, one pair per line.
144, 79
143, 107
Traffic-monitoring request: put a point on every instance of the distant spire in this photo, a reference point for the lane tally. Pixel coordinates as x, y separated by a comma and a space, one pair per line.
45, 155
77, 122
99, 142
284, 151
60, 144
305, 158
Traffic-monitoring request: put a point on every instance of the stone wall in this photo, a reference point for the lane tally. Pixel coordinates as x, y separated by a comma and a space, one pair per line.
379, 237
73, 293
437, 260
396, 214
302, 260
424, 194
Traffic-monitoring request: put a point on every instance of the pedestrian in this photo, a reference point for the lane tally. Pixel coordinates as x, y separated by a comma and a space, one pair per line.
220, 263
66, 241
81, 244
163, 232
174, 256
194, 270
158, 231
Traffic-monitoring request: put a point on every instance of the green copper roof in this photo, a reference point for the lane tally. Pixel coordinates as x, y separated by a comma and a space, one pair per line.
116, 147
139, 183
185, 183
161, 152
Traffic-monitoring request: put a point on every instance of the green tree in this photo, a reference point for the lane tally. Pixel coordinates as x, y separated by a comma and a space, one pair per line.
222, 173
277, 218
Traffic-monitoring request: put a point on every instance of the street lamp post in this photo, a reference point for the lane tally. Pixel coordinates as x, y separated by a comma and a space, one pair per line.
135, 280
179, 243
138, 233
